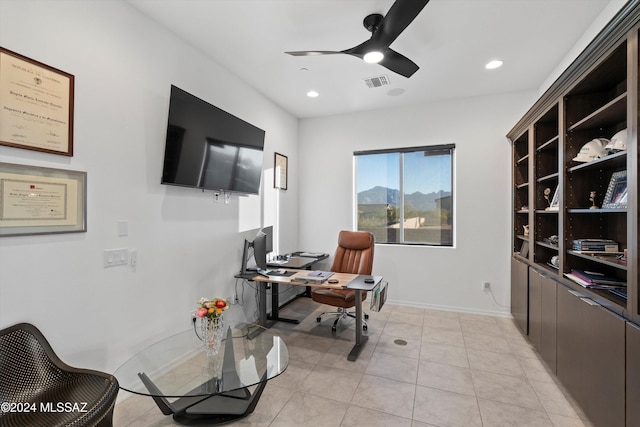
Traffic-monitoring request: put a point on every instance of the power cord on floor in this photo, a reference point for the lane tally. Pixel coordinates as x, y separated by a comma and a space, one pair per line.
493, 298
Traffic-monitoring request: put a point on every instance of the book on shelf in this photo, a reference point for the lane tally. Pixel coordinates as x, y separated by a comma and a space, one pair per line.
598, 278
591, 285
595, 245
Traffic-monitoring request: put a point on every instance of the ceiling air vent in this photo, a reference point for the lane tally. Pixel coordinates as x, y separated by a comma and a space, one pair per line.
377, 81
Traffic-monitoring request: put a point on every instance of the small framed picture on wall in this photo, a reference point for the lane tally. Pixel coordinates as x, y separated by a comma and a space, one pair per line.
280, 171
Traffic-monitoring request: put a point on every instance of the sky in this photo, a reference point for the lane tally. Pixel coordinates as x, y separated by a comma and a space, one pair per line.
425, 174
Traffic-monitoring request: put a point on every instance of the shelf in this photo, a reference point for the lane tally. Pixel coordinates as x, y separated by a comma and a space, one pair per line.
548, 177
549, 269
547, 245
547, 145
607, 114
522, 211
546, 212
522, 159
522, 237
595, 211
517, 255
523, 185
600, 259
611, 160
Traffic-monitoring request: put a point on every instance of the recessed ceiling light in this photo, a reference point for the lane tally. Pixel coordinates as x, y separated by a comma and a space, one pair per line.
312, 94
373, 57
396, 91
491, 65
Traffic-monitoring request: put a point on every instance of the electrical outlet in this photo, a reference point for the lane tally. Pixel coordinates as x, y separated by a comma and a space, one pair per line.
486, 286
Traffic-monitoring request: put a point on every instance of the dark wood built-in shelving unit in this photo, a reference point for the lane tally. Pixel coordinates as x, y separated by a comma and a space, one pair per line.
580, 332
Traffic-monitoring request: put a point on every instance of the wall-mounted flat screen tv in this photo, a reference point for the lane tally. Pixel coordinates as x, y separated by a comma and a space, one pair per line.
208, 148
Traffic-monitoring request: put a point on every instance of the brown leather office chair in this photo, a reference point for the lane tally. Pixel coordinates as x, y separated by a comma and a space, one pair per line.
353, 255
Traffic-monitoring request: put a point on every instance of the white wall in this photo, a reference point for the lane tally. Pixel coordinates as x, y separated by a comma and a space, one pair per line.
188, 245
612, 8
423, 276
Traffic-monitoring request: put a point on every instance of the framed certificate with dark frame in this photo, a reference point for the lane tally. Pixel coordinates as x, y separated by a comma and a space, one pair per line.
280, 171
616, 196
36, 200
36, 105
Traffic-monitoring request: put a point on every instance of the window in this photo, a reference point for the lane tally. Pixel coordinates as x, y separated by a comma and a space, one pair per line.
405, 195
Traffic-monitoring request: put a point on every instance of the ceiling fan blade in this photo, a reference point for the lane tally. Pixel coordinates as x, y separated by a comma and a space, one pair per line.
359, 50
312, 52
401, 14
398, 63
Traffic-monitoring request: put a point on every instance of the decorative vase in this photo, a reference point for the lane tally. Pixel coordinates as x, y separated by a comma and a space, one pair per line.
212, 334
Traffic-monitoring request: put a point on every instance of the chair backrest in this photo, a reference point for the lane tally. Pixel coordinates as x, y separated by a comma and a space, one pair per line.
28, 363
354, 253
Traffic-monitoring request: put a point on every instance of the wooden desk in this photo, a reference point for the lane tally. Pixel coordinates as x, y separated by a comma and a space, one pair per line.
345, 281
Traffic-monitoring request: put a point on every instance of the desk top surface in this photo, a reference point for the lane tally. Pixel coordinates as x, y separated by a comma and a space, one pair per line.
179, 367
345, 280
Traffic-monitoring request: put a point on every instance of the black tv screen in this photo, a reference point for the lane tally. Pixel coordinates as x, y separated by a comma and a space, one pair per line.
208, 148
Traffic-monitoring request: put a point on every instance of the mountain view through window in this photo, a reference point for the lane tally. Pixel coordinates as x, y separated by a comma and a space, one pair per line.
405, 196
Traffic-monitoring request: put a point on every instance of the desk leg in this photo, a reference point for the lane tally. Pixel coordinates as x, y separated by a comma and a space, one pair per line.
360, 339
262, 304
275, 306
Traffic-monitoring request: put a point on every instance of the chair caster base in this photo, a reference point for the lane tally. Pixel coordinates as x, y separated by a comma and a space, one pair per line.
318, 319
366, 316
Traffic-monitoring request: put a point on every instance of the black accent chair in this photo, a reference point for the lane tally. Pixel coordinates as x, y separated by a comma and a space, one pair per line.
38, 389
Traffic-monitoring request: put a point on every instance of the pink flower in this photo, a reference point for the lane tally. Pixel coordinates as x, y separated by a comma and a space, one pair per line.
201, 312
207, 304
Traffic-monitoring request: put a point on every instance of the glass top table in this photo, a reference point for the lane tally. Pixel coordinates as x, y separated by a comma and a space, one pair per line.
197, 388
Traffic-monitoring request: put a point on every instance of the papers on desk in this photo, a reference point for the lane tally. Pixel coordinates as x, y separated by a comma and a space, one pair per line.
311, 254
314, 277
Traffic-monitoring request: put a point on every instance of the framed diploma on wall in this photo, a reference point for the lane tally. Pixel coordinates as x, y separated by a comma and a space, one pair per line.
35, 200
280, 171
36, 105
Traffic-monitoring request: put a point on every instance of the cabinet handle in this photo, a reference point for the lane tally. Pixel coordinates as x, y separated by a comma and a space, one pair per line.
589, 301
575, 293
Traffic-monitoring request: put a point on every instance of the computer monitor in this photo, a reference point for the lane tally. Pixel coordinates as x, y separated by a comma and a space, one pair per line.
269, 232
262, 244
260, 250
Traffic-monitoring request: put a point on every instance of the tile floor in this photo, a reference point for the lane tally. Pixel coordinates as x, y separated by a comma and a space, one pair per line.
455, 369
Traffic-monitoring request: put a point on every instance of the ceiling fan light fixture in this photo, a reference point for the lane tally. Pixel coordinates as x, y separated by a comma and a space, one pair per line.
373, 57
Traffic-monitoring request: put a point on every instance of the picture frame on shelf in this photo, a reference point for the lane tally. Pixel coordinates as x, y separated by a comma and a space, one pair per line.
524, 249
616, 196
38, 200
36, 101
555, 201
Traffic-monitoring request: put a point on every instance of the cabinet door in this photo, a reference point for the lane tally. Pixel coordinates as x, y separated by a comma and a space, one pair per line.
591, 357
520, 293
548, 321
570, 343
604, 365
633, 375
535, 308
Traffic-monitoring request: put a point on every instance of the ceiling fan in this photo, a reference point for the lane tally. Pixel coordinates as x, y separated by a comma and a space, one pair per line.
384, 30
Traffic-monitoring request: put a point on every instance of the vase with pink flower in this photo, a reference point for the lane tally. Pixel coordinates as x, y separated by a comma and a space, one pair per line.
211, 323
